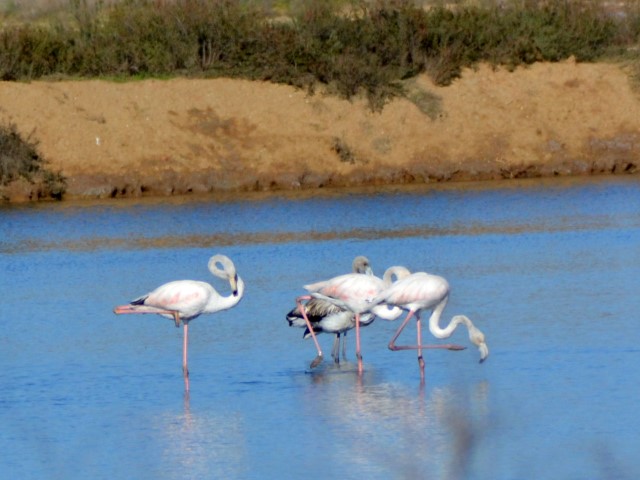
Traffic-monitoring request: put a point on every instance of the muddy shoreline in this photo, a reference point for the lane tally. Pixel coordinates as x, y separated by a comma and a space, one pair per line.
170, 183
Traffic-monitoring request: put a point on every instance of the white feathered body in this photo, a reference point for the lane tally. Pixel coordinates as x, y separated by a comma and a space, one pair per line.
190, 298
417, 291
353, 291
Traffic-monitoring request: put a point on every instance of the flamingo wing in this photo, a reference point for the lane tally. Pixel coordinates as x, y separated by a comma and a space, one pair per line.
187, 297
418, 290
352, 286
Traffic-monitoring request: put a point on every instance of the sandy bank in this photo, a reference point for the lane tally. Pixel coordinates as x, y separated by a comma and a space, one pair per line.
177, 136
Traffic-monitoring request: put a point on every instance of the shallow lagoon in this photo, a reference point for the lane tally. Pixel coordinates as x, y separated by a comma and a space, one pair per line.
547, 269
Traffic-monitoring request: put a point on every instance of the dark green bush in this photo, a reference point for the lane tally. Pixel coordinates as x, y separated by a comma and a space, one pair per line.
31, 52
366, 47
19, 159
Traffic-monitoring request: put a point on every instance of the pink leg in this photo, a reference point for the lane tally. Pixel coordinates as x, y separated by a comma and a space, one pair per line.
318, 359
392, 345
358, 353
420, 359
185, 343
124, 309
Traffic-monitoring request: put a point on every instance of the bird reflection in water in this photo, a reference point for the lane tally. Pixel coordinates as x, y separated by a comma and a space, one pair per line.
434, 434
203, 444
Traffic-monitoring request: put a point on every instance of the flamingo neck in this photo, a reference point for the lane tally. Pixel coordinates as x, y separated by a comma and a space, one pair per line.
475, 335
434, 321
219, 302
398, 272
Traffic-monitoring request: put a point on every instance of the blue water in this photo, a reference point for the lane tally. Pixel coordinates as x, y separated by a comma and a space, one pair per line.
548, 270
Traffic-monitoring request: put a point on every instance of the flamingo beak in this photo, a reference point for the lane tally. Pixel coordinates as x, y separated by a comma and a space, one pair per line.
234, 285
484, 351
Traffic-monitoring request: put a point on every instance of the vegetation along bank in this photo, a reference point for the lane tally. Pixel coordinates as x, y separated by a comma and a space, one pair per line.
159, 98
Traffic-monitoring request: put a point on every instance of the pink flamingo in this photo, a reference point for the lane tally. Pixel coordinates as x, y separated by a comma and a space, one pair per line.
353, 292
326, 317
422, 291
184, 300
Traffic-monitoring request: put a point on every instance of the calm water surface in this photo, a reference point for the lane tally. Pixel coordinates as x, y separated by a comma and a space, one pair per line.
548, 270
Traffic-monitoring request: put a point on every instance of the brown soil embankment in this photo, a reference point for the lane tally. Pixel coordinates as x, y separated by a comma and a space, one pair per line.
178, 136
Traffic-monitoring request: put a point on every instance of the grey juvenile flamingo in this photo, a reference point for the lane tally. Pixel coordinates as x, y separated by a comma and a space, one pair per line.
353, 292
326, 317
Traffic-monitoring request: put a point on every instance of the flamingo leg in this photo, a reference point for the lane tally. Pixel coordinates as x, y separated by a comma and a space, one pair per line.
358, 353
185, 369
444, 346
124, 309
392, 344
318, 359
344, 346
335, 351
420, 359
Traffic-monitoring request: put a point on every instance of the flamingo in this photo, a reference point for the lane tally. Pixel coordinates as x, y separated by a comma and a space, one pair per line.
353, 292
184, 300
422, 291
326, 317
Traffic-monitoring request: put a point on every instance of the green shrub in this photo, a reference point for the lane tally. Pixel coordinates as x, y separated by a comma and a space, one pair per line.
19, 159
357, 47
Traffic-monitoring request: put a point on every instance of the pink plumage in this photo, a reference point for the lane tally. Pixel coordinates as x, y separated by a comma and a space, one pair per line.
422, 291
184, 300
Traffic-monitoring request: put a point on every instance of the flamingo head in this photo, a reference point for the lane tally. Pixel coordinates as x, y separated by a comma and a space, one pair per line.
484, 351
475, 335
361, 265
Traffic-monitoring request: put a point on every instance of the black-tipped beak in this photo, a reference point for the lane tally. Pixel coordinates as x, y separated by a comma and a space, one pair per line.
234, 285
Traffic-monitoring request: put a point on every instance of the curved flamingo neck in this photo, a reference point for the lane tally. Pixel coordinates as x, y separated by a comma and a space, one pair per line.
398, 271
220, 302
434, 321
